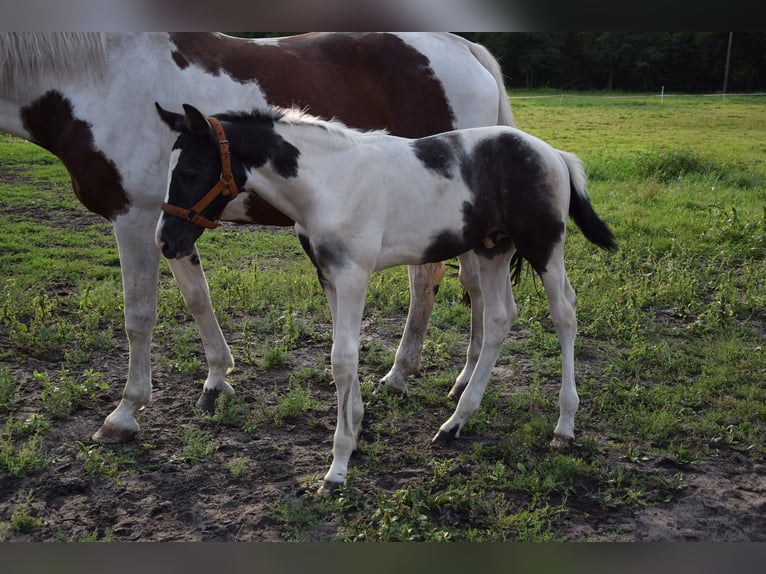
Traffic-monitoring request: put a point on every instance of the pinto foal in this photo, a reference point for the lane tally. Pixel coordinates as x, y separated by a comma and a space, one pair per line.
367, 201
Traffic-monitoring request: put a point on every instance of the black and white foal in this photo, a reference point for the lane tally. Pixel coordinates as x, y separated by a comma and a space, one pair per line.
367, 201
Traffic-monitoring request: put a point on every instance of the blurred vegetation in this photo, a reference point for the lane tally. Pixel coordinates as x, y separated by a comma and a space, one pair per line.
689, 62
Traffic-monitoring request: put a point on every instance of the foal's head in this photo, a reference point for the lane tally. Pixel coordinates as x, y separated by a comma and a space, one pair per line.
207, 170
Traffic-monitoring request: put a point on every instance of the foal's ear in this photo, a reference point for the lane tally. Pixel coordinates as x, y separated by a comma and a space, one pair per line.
174, 121
196, 120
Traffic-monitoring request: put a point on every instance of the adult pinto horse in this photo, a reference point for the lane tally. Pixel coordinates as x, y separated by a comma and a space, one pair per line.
87, 97
367, 201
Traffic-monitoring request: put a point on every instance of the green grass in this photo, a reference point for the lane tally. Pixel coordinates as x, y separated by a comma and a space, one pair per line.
670, 353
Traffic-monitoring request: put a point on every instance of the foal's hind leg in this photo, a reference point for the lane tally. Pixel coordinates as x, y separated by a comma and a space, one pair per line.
562, 303
469, 278
498, 315
424, 283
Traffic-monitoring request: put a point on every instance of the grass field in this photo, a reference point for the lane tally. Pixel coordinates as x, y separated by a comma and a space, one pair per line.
670, 360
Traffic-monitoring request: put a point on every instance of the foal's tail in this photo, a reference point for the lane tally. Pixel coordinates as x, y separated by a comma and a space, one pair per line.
580, 209
486, 59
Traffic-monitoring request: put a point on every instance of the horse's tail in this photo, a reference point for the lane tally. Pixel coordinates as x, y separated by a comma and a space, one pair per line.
580, 208
490, 63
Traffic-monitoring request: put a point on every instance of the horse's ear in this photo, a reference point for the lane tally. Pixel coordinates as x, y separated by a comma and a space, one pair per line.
174, 121
196, 120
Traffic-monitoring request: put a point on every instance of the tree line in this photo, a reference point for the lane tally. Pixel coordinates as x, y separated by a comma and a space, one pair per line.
632, 61
681, 62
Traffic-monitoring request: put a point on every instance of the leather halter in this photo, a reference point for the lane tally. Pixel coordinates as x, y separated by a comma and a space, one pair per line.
225, 185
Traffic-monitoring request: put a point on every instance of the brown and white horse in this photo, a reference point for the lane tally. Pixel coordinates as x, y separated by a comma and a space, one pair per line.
367, 201
88, 99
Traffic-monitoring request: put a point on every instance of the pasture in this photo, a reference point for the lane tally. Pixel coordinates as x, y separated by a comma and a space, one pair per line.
670, 366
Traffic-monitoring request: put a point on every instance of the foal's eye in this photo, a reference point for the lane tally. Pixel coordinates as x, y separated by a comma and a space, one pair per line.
187, 174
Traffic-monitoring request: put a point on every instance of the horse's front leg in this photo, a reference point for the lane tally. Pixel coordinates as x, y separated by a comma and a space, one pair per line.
345, 290
139, 262
190, 278
424, 283
498, 315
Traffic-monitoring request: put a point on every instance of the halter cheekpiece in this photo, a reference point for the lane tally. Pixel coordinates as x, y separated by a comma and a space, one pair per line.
225, 186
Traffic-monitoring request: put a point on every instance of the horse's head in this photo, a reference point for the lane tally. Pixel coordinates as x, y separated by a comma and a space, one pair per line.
201, 180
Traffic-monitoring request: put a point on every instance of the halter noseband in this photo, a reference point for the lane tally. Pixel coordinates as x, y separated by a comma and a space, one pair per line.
225, 186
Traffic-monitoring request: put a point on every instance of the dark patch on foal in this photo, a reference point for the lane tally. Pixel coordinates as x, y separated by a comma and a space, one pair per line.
438, 154
96, 181
366, 80
511, 201
510, 205
445, 245
254, 140
323, 256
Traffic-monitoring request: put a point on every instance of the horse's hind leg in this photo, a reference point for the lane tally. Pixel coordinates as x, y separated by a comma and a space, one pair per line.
190, 278
424, 283
562, 303
499, 313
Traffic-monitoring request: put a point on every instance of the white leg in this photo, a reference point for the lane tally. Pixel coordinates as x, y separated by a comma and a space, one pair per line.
139, 262
469, 278
499, 314
191, 281
424, 283
562, 304
347, 289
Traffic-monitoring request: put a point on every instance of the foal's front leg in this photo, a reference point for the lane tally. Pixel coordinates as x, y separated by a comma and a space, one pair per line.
190, 278
345, 289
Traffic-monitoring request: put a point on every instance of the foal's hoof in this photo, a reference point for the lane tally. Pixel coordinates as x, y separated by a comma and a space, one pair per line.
393, 391
207, 399
111, 434
445, 438
560, 441
457, 391
329, 488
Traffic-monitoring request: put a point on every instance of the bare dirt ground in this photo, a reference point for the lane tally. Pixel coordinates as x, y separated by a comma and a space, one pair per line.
167, 499
160, 497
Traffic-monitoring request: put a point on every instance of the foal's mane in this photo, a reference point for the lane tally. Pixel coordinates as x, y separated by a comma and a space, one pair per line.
25, 56
300, 117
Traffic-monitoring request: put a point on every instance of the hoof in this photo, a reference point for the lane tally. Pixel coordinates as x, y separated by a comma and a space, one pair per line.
457, 391
445, 438
394, 391
329, 488
112, 434
560, 441
207, 399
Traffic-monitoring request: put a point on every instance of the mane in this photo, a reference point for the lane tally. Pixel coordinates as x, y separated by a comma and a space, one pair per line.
300, 117
25, 57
